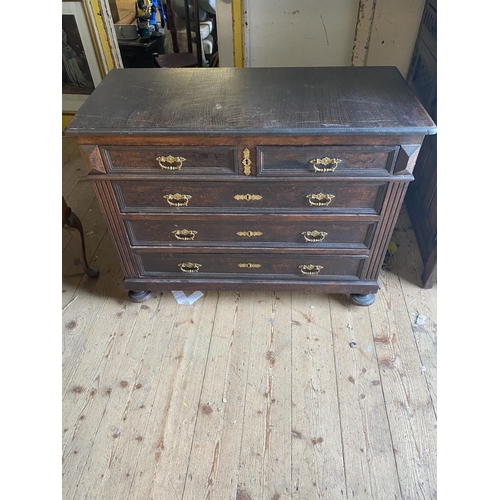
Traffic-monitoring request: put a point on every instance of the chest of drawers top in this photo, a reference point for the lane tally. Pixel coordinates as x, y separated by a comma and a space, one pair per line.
321, 101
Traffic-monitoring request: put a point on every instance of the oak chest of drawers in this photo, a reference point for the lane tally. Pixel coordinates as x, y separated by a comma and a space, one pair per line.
251, 178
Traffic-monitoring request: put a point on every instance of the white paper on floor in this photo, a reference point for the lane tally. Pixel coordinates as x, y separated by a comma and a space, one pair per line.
181, 297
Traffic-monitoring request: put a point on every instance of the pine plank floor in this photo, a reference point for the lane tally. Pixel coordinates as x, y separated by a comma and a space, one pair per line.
243, 396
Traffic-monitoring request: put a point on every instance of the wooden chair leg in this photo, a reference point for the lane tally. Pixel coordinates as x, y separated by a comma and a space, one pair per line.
72, 223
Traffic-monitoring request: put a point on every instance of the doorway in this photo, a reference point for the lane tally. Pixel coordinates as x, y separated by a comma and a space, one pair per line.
151, 22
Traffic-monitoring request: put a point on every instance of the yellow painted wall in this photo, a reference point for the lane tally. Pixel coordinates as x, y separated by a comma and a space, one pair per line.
66, 118
238, 33
101, 33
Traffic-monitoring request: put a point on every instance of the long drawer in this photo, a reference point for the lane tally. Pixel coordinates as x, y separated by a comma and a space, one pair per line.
334, 231
336, 197
218, 265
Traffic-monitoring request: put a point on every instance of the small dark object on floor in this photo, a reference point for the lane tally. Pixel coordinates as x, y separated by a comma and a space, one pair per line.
72, 223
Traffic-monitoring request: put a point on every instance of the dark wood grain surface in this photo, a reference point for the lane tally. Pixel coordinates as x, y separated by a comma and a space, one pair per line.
245, 230
246, 101
163, 263
148, 197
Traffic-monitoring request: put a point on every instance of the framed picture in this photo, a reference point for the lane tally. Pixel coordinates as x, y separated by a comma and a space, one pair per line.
80, 68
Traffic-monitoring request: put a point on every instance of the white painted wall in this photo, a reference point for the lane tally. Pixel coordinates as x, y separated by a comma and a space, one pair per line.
321, 32
224, 19
394, 32
299, 32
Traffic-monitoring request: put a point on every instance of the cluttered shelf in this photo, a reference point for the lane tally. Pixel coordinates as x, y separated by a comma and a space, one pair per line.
167, 33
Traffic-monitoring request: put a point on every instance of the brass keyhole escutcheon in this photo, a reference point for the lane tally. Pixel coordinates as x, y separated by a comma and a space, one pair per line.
247, 197
247, 163
249, 234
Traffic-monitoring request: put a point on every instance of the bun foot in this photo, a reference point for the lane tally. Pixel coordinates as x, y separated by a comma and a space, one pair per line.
361, 299
140, 296
93, 273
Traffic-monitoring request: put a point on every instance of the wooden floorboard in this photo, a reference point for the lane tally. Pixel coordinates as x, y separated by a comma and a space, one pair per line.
317, 455
243, 395
213, 465
370, 467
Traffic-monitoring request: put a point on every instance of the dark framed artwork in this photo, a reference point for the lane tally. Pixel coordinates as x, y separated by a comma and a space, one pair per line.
80, 69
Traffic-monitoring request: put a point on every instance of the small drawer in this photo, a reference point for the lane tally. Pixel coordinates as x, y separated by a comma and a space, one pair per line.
307, 267
154, 160
327, 231
317, 197
318, 161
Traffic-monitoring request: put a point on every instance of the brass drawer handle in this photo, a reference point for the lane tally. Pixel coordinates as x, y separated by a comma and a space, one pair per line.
310, 269
249, 234
184, 234
177, 200
247, 197
325, 161
249, 266
189, 267
314, 236
320, 200
170, 159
